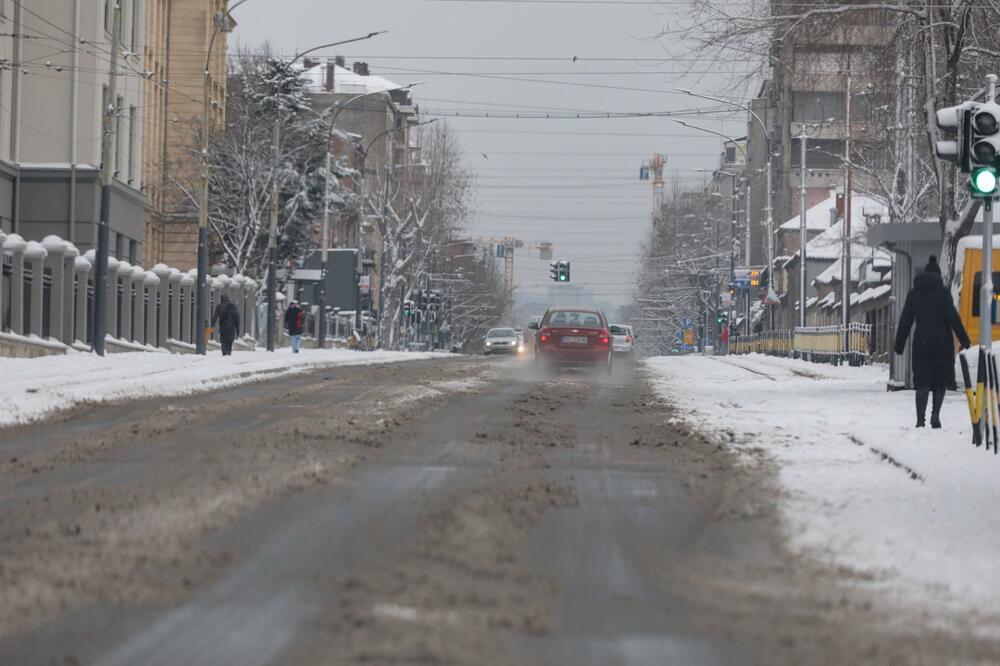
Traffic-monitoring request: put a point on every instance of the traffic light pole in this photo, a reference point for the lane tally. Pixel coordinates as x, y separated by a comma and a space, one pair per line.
986, 297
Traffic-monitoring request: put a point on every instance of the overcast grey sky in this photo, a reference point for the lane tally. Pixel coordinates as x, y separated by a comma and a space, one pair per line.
570, 181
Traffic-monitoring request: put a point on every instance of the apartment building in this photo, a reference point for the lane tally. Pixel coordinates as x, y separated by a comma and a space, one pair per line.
180, 32
53, 89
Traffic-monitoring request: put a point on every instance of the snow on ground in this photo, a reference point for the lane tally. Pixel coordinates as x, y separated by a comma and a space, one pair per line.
34, 388
914, 511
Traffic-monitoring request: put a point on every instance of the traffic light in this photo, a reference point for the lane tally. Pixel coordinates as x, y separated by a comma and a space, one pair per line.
559, 270
985, 134
983, 183
407, 308
955, 123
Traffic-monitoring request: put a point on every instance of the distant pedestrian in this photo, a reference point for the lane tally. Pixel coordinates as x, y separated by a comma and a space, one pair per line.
930, 305
295, 322
227, 315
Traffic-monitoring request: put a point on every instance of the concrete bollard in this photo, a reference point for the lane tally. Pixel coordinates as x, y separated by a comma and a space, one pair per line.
175, 304
125, 307
187, 307
81, 266
55, 248
152, 288
139, 306
161, 298
214, 291
14, 245
35, 254
70, 255
250, 308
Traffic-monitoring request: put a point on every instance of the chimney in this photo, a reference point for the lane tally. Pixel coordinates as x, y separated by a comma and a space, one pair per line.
361, 68
328, 76
339, 61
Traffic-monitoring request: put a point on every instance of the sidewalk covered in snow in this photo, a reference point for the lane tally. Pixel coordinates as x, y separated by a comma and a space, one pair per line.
35, 388
912, 512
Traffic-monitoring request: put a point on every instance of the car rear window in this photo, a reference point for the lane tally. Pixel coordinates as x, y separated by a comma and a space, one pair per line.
618, 330
574, 318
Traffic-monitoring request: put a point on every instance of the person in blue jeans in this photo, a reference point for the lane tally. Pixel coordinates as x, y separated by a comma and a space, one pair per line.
295, 321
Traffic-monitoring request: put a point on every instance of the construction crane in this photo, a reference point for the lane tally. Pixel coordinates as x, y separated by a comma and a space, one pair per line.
652, 169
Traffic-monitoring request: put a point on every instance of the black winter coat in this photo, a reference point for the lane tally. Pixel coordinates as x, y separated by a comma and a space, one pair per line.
930, 305
292, 322
228, 317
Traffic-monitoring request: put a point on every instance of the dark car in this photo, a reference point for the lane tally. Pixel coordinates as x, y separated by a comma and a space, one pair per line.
573, 336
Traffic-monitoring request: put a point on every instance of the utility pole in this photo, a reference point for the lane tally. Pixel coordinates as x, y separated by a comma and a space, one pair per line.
110, 124
845, 300
384, 226
272, 237
803, 239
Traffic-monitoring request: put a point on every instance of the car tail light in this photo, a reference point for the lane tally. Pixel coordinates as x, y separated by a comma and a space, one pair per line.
603, 338
629, 339
544, 336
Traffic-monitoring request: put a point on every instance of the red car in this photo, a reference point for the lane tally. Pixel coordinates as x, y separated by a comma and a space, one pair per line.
573, 336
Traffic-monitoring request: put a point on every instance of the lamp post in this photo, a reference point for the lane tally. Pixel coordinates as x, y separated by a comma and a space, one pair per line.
771, 295
272, 237
223, 23
325, 237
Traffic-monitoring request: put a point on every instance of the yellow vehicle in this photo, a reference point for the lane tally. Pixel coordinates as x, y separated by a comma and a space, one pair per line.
969, 269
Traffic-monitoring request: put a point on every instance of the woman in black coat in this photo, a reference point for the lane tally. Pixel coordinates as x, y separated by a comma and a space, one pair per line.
929, 304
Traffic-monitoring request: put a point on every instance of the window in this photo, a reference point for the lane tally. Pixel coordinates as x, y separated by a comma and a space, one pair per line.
501, 333
133, 252
813, 106
119, 106
133, 119
977, 286
135, 29
119, 247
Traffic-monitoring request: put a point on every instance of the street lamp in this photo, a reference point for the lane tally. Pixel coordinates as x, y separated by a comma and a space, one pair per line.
272, 238
324, 251
771, 295
732, 254
223, 23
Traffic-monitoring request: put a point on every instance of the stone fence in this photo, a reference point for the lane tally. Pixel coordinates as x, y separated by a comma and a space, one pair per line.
47, 294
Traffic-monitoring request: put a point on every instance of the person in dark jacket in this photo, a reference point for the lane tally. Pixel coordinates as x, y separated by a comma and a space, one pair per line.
295, 320
929, 304
227, 315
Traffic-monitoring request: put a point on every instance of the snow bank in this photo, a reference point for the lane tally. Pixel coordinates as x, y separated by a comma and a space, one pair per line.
914, 512
34, 388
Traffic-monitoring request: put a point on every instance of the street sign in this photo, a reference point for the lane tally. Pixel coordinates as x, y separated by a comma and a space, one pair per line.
688, 323
725, 299
689, 337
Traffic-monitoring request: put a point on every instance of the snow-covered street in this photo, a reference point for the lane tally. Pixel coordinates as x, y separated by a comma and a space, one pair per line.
35, 388
910, 511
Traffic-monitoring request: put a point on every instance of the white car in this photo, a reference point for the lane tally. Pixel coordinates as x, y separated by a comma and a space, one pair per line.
501, 341
622, 339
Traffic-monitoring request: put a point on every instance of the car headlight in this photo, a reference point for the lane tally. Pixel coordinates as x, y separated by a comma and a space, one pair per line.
488, 344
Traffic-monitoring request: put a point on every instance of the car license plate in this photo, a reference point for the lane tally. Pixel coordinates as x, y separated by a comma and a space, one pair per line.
574, 339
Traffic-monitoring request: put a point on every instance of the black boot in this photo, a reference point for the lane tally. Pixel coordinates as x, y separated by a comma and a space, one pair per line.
922, 395
938, 400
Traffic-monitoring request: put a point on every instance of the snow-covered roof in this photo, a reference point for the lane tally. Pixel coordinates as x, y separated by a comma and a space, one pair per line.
818, 216
859, 253
873, 294
344, 80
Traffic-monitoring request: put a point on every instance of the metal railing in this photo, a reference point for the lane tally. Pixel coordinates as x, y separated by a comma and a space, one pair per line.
829, 344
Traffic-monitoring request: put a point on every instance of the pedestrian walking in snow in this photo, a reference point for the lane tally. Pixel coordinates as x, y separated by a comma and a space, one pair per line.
295, 321
227, 316
930, 306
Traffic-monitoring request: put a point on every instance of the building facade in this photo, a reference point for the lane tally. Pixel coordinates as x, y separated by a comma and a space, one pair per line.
180, 32
55, 92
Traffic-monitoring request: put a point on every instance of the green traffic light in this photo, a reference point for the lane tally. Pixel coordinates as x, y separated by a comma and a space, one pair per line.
562, 277
984, 181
